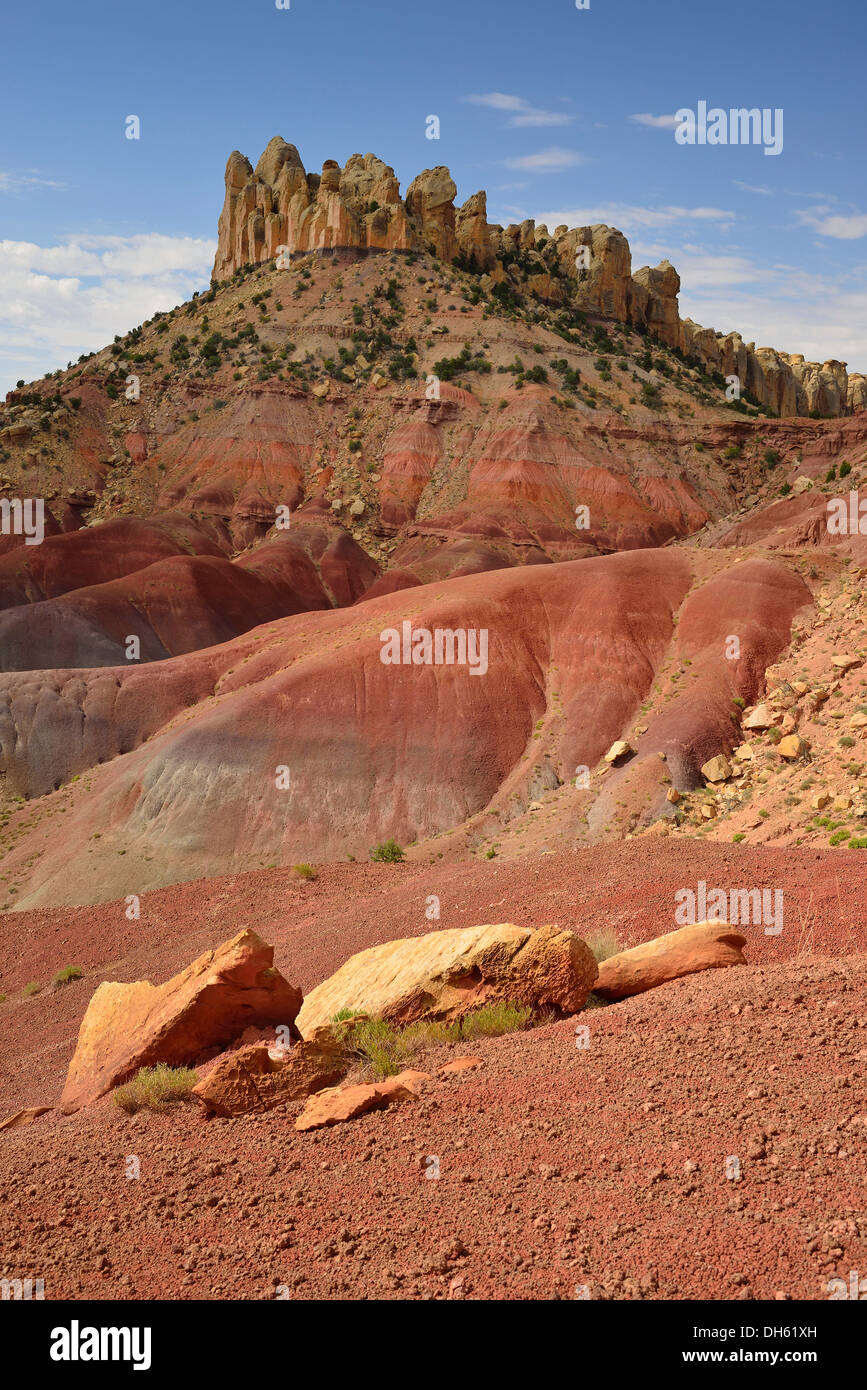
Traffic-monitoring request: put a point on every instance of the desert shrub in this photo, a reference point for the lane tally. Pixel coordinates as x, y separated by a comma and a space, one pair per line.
383, 1050
304, 871
65, 976
152, 1088
389, 852
845, 469
32, 988
374, 1043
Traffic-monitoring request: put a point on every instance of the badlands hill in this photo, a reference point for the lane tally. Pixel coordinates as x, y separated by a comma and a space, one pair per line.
389, 411
410, 421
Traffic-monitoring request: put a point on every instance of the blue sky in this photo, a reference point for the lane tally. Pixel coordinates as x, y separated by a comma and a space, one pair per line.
559, 113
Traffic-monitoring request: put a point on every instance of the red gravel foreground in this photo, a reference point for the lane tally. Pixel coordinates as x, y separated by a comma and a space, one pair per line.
609, 1168
612, 1167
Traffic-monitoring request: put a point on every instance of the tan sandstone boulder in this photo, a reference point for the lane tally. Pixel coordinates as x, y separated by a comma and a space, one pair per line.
260, 1077
705, 946
340, 1103
212, 1001
446, 974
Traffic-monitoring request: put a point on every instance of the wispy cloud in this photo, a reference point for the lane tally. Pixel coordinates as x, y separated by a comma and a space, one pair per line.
550, 161
57, 302
626, 216
25, 182
753, 188
658, 122
521, 112
842, 228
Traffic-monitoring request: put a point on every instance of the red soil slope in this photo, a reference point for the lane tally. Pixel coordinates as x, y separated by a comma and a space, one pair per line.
373, 750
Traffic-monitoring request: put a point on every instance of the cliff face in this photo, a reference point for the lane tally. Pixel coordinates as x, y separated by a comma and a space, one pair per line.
359, 208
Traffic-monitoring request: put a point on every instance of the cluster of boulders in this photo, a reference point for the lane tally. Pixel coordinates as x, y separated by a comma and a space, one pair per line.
278, 208
260, 1045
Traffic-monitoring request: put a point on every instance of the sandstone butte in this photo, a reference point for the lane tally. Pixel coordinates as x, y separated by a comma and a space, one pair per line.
446, 974
705, 946
128, 1026
278, 208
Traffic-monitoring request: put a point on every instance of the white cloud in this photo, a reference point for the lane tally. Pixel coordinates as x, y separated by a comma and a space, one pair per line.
550, 161
697, 270
521, 112
821, 320
842, 228
753, 188
57, 302
25, 182
658, 122
626, 216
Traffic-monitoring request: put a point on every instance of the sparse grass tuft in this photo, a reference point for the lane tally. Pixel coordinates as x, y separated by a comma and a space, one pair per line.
67, 975
382, 1050
34, 987
152, 1088
603, 943
496, 1019
304, 871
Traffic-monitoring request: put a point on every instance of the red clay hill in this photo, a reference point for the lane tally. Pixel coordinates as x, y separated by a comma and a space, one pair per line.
388, 411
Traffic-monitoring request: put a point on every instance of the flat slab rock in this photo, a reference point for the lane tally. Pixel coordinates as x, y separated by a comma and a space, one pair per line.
446, 974
705, 946
339, 1103
212, 1001
25, 1117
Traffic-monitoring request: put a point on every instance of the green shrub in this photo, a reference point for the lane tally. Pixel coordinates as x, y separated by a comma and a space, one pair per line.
33, 988
845, 469
304, 871
65, 976
389, 852
152, 1088
495, 1019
